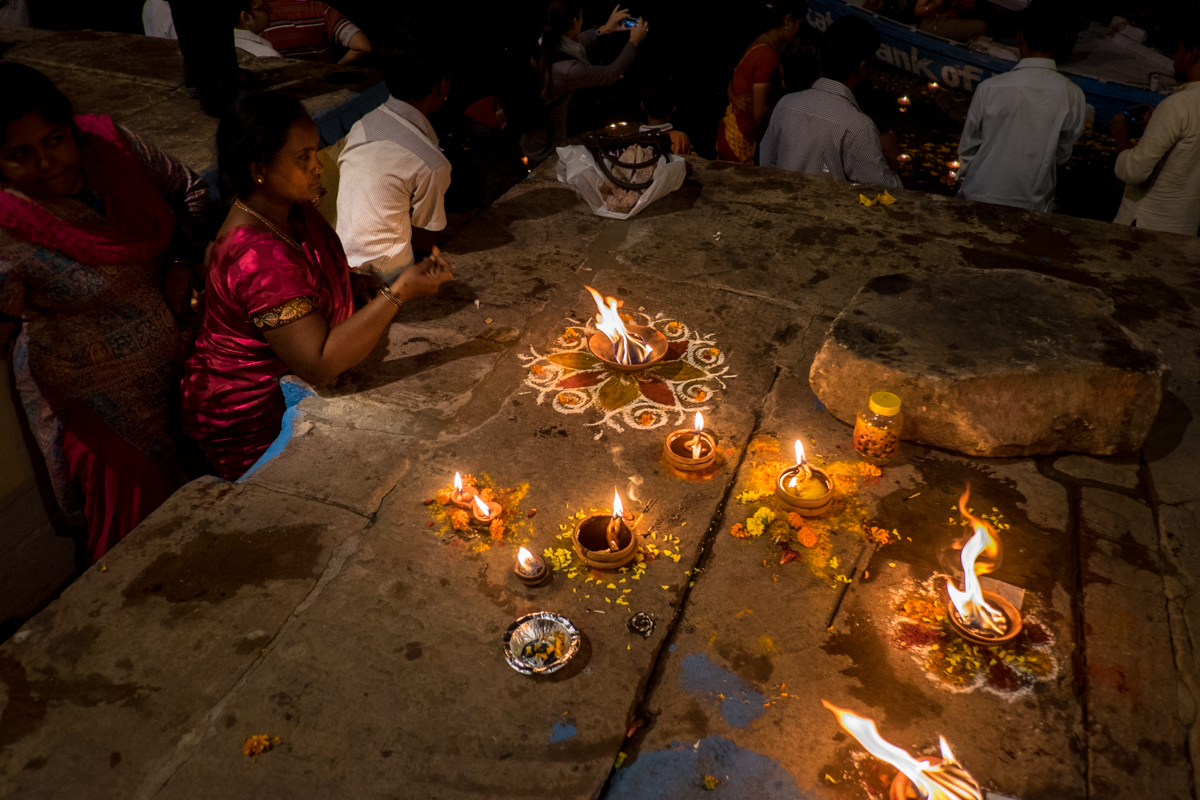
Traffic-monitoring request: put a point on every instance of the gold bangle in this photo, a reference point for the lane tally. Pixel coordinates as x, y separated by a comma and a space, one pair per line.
386, 292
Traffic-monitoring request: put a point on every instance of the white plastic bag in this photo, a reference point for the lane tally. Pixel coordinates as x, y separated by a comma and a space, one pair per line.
577, 169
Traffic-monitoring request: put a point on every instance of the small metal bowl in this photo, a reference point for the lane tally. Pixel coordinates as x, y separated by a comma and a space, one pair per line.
540, 626
602, 348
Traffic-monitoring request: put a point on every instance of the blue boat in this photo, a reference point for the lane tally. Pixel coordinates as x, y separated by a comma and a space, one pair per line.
957, 66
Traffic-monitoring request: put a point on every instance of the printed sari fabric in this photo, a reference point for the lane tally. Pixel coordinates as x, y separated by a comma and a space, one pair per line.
737, 132
97, 337
232, 403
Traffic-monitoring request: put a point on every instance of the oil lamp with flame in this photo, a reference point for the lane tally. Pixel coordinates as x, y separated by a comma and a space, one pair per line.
462, 495
607, 541
627, 348
926, 778
903, 103
978, 616
484, 511
804, 488
691, 449
530, 568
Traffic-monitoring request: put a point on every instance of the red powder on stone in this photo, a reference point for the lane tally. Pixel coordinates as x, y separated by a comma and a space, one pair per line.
911, 635
1036, 633
1001, 676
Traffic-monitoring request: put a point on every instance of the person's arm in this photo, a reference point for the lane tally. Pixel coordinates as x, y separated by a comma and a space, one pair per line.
1136, 164
1073, 125
763, 93
183, 265
318, 354
863, 160
972, 135
571, 75
768, 151
359, 46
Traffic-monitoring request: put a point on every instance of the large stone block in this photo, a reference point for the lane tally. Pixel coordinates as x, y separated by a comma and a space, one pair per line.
993, 363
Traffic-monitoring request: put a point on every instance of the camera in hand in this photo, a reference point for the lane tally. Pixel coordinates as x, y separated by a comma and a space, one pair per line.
629, 22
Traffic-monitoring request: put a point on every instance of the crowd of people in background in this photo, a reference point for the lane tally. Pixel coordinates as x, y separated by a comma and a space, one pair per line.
103, 236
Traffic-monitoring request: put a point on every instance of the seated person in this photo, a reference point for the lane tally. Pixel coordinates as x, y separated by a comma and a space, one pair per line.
754, 87
99, 232
391, 194
944, 18
307, 30
822, 131
658, 104
250, 18
278, 297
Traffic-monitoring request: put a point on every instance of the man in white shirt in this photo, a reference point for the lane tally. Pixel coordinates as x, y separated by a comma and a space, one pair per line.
822, 131
157, 21
253, 17
1023, 124
394, 176
1162, 173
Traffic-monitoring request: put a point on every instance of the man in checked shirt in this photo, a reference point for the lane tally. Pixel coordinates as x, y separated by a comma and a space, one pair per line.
822, 131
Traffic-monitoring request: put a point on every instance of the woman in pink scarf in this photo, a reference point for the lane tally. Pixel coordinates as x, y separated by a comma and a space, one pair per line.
96, 226
278, 298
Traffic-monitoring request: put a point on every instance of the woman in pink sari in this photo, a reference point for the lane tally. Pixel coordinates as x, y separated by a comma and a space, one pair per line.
278, 296
99, 230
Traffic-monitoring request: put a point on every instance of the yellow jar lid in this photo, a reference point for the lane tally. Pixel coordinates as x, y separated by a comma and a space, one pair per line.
885, 404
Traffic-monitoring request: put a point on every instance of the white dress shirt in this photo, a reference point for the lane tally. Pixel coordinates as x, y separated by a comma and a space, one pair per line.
1162, 173
1022, 125
393, 178
822, 131
157, 20
254, 44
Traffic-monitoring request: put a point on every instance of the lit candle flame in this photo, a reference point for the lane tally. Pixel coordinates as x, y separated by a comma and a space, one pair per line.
800, 459
699, 424
628, 348
618, 509
973, 609
802, 463
526, 560
945, 781
933, 85
482, 506
457, 483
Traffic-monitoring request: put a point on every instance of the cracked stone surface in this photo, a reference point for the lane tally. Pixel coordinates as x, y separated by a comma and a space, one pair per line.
316, 603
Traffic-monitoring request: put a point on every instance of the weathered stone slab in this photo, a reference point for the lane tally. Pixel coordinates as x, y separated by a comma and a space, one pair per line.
1091, 469
993, 363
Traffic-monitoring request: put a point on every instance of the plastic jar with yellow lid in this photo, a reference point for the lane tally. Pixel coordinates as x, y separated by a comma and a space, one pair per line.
877, 429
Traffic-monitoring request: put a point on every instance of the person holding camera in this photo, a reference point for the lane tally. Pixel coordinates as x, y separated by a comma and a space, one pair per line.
1162, 172
561, 61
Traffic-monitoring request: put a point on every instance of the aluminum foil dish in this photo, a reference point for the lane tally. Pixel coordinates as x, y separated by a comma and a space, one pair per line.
540, 643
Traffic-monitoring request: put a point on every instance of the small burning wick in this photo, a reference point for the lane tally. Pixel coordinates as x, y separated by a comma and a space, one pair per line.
945, 781
802, 463
528, 561
696, 441
954, 164
933, 85
483, 511
904, 157
904, 101
614, 525
462, 496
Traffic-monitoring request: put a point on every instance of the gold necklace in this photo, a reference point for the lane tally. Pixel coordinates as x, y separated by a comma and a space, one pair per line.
268, 223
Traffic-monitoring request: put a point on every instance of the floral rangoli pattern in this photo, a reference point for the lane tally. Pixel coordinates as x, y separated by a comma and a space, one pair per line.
573, 381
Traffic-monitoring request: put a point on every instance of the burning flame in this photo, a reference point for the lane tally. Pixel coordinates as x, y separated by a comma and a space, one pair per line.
628, 348
526, 560
482, 506
457, 483
618, 509
973, 609
699, 426
802, 462
945, 781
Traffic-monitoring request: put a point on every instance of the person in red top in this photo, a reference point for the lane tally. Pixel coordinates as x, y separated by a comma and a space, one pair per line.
308, 30
755, 86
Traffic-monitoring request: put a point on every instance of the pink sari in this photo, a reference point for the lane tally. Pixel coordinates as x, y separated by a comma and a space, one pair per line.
232, 403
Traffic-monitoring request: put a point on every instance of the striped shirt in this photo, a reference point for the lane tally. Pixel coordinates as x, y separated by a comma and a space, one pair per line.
822, 131
306, 29
393, 178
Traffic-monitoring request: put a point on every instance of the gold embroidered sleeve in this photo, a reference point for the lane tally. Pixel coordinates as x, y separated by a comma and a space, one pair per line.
286, 313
